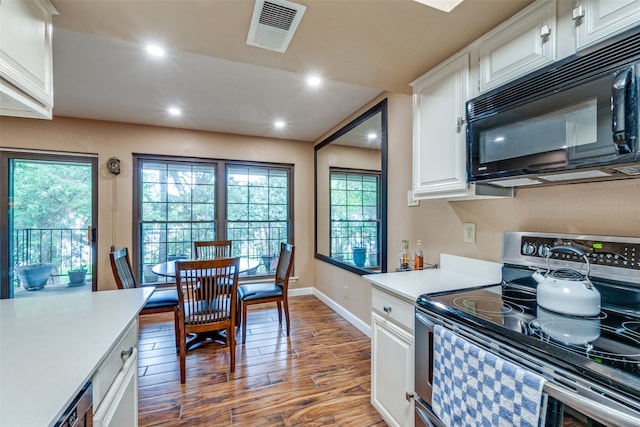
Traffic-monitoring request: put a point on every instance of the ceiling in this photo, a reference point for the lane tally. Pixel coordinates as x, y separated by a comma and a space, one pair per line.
359, 47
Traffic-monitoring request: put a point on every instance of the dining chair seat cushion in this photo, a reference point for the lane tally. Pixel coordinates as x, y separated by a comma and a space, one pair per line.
256, 291
163, 298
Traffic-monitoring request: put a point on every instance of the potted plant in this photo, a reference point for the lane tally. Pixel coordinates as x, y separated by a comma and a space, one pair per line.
359, 251
77, 276
34, 276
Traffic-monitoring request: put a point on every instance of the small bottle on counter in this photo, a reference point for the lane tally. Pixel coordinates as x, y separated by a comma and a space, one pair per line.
404, 256
418, 260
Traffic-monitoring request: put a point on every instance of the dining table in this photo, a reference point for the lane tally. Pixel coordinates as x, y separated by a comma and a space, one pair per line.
168, 269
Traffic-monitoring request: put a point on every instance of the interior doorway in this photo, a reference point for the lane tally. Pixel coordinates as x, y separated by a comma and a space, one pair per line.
48, 243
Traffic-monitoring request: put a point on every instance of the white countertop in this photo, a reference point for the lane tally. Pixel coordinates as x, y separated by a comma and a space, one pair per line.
51, 346
454, 273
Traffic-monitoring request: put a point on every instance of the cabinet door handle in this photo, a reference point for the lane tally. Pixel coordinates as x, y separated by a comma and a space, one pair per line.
545, 31
125, 354
408, 396
577, 12
386, 309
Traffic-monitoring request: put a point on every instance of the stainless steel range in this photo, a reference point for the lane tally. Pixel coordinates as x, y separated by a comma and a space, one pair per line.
591, 363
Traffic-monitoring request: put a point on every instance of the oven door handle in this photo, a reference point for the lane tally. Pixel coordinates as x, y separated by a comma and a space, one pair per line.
424, 417
425, 321
589, 407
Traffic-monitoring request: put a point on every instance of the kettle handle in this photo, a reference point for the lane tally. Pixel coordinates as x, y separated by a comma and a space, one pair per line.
569, 249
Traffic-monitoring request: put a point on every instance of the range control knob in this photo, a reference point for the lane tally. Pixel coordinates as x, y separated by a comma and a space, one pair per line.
544, 250
528, 249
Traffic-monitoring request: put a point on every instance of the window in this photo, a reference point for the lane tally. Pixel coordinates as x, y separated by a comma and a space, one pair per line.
355, 216
258, 211
182, 201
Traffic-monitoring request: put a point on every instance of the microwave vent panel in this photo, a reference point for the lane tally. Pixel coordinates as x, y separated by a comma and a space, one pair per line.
557, 77
273, 24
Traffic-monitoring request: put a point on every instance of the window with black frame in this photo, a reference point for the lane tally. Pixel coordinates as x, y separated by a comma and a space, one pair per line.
258, 212
355, 216
182, 201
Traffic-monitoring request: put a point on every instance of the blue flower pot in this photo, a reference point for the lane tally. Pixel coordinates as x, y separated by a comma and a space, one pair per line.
34, 277
359, 255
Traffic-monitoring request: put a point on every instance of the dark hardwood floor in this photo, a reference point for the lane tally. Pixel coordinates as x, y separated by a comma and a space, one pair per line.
319, 376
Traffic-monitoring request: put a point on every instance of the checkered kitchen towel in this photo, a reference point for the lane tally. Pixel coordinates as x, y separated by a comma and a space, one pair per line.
472, 387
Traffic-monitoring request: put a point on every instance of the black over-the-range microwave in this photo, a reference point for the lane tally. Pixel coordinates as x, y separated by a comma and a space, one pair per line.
575, 120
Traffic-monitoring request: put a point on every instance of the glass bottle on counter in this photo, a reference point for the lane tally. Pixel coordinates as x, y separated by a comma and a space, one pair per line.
404, 256
418, 260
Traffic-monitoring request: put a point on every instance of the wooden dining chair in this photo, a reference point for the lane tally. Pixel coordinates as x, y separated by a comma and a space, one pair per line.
161, 301
212, 249
258, 293
207, 293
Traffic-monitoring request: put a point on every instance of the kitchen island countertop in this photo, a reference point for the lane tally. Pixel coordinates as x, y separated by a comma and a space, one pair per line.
454, 273
51, 346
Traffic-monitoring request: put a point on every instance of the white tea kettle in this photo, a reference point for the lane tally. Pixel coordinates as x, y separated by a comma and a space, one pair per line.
567, 291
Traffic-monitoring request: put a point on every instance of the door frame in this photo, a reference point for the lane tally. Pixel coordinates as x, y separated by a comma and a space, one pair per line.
51, 156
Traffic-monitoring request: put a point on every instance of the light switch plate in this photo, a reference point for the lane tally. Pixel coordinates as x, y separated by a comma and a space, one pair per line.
469, 232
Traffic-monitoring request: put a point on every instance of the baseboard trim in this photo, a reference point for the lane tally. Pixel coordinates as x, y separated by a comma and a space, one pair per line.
362, 326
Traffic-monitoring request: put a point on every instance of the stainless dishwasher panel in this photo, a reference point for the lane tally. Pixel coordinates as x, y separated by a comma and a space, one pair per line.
80, 412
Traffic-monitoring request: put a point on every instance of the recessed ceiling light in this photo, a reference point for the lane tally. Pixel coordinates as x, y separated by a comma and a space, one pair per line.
372, 135
314, 81
155, 50
279, 124
174, 111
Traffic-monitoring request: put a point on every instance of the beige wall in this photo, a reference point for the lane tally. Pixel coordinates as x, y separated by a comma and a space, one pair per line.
109, 139
596, 208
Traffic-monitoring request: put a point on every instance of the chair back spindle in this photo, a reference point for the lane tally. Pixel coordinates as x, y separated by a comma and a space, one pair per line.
212, 249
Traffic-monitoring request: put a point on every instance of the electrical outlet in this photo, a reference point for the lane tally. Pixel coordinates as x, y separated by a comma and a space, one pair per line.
346, 291
469, 232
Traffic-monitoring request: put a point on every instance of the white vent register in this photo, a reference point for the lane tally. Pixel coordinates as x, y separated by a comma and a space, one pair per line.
273, 24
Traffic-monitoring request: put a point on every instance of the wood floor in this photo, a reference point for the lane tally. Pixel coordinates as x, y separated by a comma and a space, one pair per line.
319, 376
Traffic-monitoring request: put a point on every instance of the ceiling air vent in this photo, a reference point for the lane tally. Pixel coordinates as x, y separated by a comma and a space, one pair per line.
274, 23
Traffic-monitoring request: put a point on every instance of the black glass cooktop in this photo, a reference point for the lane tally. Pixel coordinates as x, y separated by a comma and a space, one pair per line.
608, 344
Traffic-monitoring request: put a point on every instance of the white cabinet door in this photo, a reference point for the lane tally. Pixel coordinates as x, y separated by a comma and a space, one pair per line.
392, 372
597, 20
438, 128
522, 44
26, 66
120, 405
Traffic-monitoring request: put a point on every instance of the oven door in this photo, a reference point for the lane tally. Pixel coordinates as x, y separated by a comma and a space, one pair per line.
573, 400
592, 124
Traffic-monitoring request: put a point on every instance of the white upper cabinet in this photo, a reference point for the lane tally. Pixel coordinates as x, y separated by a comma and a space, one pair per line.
26, 65
596, 20
438, 128
439, 138
522, 44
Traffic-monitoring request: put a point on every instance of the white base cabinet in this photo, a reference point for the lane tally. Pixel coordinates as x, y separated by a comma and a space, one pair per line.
115, 384
392, 356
